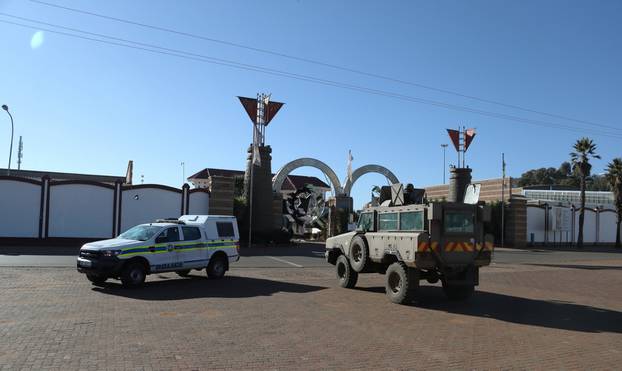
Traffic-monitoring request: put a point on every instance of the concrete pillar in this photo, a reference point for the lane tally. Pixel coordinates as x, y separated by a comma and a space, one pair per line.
459, 179
263, 220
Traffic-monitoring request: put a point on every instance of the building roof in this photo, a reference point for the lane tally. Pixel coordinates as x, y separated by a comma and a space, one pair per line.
53, 175
293, 182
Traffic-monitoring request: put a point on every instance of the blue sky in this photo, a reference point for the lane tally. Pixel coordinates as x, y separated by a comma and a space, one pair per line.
86, 107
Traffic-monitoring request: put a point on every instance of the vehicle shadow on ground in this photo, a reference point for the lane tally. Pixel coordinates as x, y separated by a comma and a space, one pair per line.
580, 266
544, 313
201, 287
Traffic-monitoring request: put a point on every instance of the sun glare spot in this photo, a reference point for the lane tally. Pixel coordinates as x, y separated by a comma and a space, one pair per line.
37, 40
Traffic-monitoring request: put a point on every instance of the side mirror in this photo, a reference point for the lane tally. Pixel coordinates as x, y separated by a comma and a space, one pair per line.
161, 239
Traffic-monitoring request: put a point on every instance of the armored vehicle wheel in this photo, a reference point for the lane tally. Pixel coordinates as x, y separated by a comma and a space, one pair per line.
133, 274
217, 267
96, 279
346, 276
402, 283
458, 292
183, 273
359, 254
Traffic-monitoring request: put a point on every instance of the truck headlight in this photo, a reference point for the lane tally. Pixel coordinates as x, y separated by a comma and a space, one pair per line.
111, 252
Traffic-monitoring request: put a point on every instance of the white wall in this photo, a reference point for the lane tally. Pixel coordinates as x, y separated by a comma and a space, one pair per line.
607, 227
19, 209
589, 227
535, 224
80, 210
144, 205
607, 230
199, 203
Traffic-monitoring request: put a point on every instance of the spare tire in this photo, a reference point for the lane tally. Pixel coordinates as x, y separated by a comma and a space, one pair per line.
359, 254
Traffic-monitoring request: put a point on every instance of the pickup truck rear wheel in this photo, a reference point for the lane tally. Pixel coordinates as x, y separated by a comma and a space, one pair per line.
458, 292
359, 254
133, 274
96, 279
401, 283
217, 267
183, 273
346, 276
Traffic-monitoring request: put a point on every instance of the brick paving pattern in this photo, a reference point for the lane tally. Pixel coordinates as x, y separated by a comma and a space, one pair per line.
521, 317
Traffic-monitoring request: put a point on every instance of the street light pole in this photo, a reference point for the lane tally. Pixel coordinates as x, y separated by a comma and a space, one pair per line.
6, 108
444, 161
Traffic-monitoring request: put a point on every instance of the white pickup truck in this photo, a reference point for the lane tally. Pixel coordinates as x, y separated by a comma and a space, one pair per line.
198, 242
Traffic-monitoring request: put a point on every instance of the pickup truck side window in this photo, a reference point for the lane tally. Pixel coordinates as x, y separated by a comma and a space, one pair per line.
168, 235
225, 229
191, 233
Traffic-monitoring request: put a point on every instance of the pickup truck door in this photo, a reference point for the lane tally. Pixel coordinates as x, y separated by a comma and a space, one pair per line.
192, 251
162, 256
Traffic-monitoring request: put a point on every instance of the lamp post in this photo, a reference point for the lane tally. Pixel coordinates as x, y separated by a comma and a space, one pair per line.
6, 108
444, 161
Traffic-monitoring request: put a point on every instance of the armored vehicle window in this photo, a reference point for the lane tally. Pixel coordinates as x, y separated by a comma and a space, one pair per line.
387, 222
225, 229
458, 222
366, 222
411, 221
191, 233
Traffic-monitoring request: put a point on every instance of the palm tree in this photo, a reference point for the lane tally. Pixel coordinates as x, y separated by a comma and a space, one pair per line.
584, 150
614, 178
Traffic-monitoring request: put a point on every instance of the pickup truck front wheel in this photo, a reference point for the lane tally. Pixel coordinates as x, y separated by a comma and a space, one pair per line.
96, 279
133, 274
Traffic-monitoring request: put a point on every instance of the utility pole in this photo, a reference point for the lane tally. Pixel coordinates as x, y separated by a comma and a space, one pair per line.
183, 172
444, 160
8, 169
502, 199
20, 153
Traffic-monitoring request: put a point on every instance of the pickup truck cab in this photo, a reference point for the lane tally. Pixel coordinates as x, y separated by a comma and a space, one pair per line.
197, 242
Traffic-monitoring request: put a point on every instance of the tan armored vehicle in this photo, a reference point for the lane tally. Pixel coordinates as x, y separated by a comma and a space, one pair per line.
436, 241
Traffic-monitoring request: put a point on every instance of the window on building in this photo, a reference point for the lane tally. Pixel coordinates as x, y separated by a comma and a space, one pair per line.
191, 233
225, 229
411, 221
387, 222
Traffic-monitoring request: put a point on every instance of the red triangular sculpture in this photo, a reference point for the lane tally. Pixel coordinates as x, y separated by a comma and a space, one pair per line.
455, 138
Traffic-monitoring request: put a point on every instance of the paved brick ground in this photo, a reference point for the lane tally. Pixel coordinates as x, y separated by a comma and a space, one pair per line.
522, 317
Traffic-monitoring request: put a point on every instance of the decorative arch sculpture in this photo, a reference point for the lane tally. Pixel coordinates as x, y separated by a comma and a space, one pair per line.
368, 169
281, 175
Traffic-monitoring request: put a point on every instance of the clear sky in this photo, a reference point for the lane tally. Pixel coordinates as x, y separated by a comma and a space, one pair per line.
82, 106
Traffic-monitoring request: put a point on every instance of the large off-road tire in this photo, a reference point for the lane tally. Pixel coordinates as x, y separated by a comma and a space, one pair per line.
133, 274
401, 283
183, 273
346, 276
359, 254
458, 292
217, 267
96, 279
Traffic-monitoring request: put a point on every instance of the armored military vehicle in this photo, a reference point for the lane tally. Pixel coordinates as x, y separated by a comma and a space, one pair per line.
408, 243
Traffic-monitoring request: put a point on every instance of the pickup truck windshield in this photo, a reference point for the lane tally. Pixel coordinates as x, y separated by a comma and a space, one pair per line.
140, 232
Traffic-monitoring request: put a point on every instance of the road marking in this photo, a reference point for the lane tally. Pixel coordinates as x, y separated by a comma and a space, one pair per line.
285, 261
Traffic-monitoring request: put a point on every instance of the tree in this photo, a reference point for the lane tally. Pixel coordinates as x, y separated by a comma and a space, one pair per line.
614, 178
584, 151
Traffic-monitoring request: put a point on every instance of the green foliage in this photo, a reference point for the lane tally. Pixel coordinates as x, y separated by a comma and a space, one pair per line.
584, 151
614, 178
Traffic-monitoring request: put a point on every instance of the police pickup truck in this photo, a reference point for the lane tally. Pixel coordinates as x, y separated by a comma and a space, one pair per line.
169, 245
